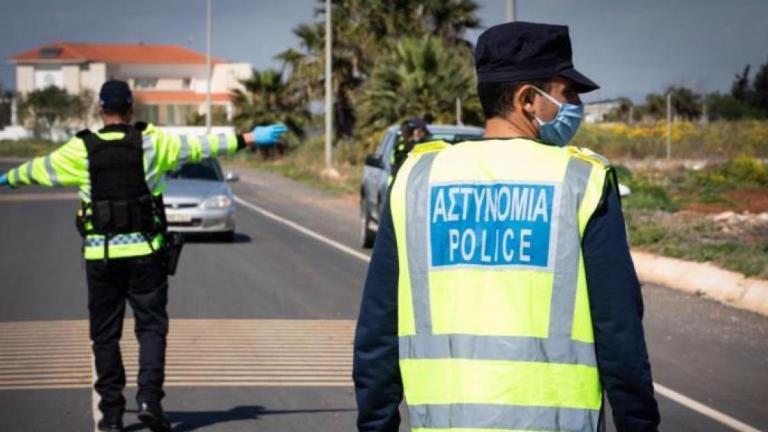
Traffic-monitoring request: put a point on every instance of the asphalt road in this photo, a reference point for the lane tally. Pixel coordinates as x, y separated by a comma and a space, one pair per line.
284, 364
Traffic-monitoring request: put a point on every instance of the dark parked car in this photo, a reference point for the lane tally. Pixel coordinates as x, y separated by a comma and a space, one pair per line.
377, 168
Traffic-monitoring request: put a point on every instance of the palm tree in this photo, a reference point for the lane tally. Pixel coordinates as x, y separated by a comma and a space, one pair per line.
268, 99
420, 75
364, 32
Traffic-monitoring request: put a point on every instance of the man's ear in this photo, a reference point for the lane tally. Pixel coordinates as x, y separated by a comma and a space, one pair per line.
524, 99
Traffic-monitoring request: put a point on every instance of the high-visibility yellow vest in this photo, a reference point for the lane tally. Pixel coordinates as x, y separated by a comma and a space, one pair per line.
163, 152
494, 325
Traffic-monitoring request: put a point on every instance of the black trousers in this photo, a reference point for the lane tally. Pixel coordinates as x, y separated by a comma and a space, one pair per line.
143, 282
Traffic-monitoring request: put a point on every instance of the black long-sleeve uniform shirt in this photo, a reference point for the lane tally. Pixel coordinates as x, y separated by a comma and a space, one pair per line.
615, 301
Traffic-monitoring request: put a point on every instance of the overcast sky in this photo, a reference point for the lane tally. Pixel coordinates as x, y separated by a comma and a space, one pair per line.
630, 47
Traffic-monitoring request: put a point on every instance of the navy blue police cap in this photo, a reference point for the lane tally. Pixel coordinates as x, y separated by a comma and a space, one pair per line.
525, 51
419, 123
414, 124
115, 95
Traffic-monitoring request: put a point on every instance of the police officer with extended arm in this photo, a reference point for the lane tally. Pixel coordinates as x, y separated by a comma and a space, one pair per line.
501, 294
120, 172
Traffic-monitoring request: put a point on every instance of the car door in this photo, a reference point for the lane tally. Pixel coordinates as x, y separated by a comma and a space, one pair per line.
382, 175
371, 175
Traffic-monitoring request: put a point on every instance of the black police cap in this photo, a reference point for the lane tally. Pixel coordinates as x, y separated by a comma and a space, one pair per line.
115, 95
524, 51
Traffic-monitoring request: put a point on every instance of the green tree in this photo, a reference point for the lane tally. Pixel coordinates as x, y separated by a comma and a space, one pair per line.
622, 112
267, 99
655, 105
728, 107
740, 87
685, 103
6, 98
53, 106
760, 88
420, 75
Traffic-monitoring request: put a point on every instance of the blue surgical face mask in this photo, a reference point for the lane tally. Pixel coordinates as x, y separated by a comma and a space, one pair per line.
560, 130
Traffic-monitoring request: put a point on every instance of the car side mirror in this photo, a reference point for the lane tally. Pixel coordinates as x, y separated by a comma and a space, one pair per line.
231, 177
624, 190
374, 160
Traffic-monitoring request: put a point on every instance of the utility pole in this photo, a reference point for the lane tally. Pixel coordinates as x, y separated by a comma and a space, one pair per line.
328, 90
510, 10
459, 112
704, 114
669, 125
208, 26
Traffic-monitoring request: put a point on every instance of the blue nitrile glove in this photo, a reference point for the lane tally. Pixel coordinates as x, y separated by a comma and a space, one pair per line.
268, 135
4, 180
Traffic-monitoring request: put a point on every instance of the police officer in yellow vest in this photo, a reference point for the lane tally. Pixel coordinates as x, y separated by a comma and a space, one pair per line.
501, 294
120, 172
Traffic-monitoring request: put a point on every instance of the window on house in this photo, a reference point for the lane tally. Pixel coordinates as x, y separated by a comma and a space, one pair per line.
50, 52
170, 118
186, 83
145, 83
46, 76
148, 113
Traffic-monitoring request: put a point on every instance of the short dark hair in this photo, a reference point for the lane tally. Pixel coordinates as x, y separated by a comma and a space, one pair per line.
498, 98
121, 111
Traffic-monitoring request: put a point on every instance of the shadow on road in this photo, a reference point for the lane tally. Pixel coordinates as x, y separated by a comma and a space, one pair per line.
215, 239
185, 421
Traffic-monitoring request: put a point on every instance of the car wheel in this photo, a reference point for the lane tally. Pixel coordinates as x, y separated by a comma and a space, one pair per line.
367, 235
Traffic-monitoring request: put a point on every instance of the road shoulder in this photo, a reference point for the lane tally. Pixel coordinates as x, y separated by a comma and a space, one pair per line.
701, 279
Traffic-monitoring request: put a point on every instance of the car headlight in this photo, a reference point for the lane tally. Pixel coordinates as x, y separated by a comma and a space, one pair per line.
217, 202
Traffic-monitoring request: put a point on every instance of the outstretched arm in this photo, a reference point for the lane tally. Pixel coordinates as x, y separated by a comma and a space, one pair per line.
65, 166
174, 151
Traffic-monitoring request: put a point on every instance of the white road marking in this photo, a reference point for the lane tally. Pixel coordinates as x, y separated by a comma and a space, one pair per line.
703, 409
306, 231
660, 389
201, 353
95, 413
43, 196
250, 352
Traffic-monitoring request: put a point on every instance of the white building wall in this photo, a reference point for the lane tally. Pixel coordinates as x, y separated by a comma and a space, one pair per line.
227, 76
25, 78
71, 78
170, 84
75, 77
125, 71
92, 76
47, 75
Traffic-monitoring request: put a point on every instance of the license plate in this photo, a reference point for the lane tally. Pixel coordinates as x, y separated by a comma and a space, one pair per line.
178, 218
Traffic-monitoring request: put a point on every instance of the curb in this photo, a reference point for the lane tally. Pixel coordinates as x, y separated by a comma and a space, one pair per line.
703, 279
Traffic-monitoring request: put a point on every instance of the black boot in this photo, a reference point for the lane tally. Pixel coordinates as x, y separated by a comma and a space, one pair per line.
152, 415
111, 423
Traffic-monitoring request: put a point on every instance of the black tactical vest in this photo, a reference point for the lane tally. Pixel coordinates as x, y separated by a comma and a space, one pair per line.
121, 202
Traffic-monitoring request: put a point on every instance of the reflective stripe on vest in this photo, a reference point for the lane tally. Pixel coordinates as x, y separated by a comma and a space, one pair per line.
121, 246
540, 378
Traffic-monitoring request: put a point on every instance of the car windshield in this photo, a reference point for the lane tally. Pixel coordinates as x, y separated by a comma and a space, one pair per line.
455, 137
452, 137
207, 169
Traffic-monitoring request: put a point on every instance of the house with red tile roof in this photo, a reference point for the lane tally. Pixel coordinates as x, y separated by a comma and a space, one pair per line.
169, 81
